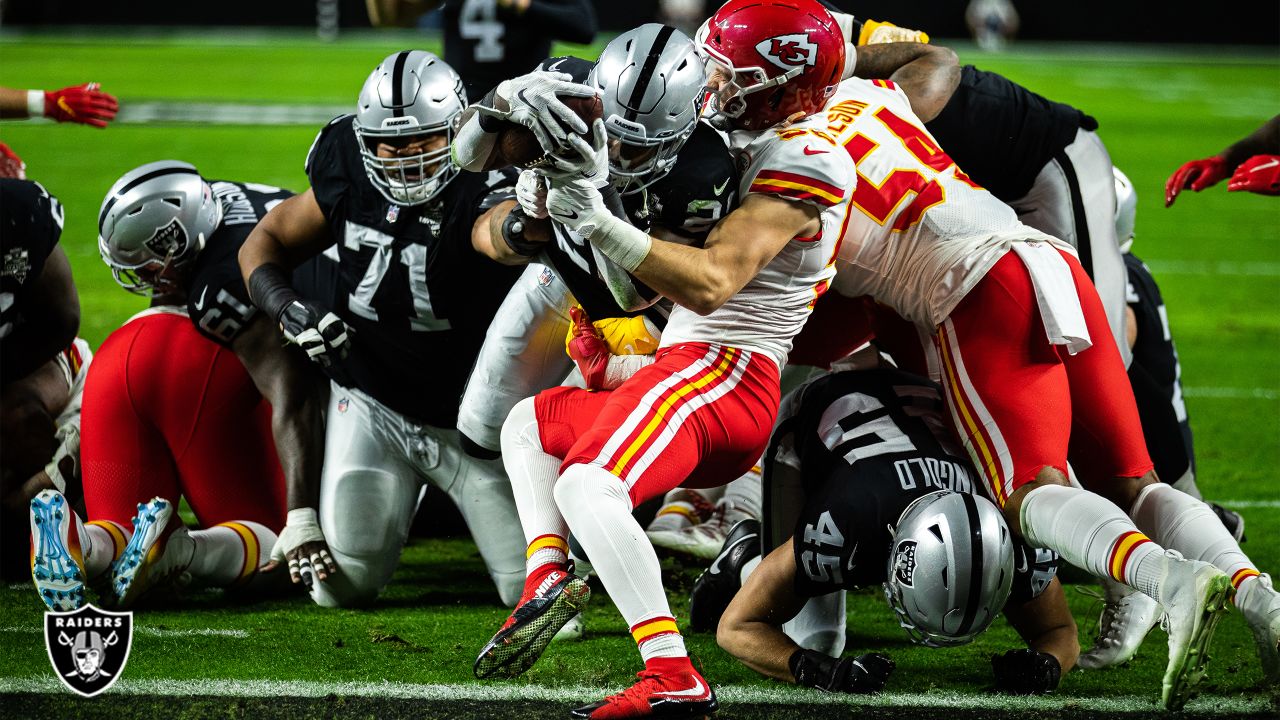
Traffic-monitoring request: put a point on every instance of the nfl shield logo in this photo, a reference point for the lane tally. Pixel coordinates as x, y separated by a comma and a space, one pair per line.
88, 647
342, 405
393, 213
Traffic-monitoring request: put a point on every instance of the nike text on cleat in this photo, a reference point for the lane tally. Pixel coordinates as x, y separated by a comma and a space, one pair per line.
155, 555
656, 695
1197, 595
1126, 619
535, 621
716, 586
57, 566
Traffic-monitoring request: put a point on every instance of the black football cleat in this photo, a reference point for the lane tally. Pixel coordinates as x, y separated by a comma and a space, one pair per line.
716, 586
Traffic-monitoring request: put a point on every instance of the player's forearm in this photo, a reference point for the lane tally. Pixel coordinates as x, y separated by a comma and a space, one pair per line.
1263, 141
758, 645
473, 146
15, 103
509, 240
568, 20
692, 277
1046, 625
297, 395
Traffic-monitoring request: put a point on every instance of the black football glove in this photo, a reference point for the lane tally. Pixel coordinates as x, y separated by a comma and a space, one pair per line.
323, 335
1026, 672
860, 675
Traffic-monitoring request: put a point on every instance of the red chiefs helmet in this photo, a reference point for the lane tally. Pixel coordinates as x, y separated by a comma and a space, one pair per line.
781, 57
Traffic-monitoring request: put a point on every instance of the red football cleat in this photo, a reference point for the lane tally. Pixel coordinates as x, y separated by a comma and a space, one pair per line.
658, 694
556, 598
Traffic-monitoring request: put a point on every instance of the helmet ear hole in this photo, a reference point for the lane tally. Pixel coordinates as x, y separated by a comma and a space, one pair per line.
174, 201
945, 580
937, 531
134, 211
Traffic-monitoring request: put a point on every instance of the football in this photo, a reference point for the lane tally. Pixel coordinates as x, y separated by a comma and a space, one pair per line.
518, 146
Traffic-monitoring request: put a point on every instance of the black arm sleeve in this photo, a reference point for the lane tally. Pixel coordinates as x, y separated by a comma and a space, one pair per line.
568, 20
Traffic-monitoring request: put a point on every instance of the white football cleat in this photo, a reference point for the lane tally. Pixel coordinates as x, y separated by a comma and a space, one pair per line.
157, 553
683, 509
704, 540
57, 563
1196, 595
572, 630
1126, 619
1260, 605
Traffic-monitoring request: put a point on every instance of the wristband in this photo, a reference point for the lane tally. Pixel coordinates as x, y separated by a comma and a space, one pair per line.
270, 290
620, 242
301, 516
513, 227
35, 103
489, 123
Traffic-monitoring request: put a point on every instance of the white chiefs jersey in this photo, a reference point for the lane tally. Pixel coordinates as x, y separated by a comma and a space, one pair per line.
767, 313
919, 233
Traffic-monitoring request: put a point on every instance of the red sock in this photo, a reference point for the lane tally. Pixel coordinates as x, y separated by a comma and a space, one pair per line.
535, 578
669, 665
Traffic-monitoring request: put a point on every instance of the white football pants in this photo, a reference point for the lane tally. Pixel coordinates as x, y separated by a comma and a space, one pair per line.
375, 465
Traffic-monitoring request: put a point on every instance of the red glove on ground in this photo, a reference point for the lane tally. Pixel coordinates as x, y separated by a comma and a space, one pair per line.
1259, 174
588, 349
81, 103
11, 166
1197, 175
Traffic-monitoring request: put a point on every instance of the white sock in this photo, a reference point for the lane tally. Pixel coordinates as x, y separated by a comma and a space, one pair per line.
533, 474
230, 553
1090, 532
743, 494
1187, 484
1181, 522
595, 503
101, 542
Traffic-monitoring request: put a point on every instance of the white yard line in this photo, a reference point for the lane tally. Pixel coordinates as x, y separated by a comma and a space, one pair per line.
727, 693
1232, 504
1231, 393
152, 632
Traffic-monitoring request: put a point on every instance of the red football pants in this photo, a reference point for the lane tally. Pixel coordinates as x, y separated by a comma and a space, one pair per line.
1019, 403
699, 416
169, 413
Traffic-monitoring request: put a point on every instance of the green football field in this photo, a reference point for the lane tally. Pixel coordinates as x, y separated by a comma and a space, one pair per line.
208, 98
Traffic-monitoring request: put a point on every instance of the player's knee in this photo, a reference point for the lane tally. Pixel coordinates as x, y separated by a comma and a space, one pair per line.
365, 519
520, 430
356, 584
583, 487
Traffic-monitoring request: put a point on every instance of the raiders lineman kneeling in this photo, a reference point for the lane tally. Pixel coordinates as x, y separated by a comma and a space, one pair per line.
863, 486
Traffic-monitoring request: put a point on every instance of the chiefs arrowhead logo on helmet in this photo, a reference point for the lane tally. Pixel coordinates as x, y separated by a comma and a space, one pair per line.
789, 51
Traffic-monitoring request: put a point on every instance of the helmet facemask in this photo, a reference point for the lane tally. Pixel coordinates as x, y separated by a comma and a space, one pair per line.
637, 161
729, 87
408, 179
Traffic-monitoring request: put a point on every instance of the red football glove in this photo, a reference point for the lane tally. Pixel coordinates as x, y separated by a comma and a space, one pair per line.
82, 103
588, 349
1197, 175
11, 166
1259, 174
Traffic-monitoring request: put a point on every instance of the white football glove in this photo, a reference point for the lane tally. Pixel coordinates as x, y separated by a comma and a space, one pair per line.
576, 203
66, 459
302, 543
319, 332
534, 104
587, 159
531, 193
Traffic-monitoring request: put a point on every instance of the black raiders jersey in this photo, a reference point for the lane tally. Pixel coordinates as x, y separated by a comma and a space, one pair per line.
417, 295
1156, 376
698, 191
30, 225
869, 443
486, 43
217, 299
1002, 134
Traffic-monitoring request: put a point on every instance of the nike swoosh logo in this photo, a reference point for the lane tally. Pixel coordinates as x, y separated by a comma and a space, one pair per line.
1271, 164
810, 151
571, 215
200, 301
556, 64
720, 188
697, 689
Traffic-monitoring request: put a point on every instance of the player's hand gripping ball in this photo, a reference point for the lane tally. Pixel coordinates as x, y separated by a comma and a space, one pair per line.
540, 112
